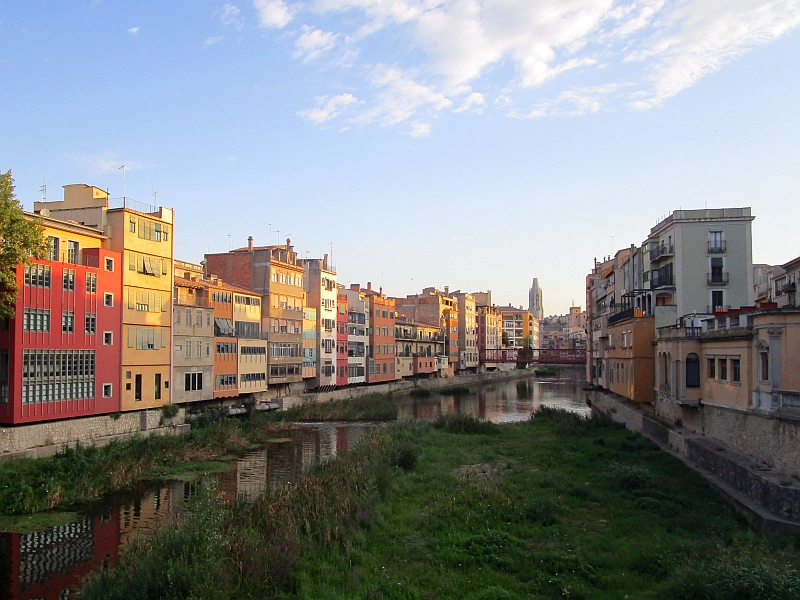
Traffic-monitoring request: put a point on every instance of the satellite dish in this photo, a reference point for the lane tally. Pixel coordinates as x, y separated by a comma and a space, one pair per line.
45, 212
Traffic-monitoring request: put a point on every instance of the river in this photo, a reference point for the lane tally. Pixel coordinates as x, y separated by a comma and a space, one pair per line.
49, 564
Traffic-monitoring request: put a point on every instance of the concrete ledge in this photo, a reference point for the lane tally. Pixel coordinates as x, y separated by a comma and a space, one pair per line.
770, 499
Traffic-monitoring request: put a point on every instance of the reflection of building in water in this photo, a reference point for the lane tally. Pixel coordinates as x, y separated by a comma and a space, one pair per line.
251, 475
142, 515
341, 439
284, 463
51, 563
310, 446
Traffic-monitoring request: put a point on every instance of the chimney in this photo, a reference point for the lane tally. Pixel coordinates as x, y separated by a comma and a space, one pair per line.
447, 289
369, 285
288, 245
325, 262
250, 243
355, 287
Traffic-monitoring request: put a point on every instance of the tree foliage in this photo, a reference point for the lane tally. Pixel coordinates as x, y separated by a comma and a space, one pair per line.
20, 240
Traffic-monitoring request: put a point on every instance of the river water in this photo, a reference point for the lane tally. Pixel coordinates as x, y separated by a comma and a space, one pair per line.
49, 564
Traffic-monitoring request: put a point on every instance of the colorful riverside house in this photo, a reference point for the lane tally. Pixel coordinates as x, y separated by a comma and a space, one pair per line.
60, 354
358, 322
381, 364
276, 274
193, 336
310, 334
142, 234
321, 289
341, 335
439, 309
226, 380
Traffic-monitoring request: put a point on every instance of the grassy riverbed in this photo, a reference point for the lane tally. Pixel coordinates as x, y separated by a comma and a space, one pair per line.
557, 507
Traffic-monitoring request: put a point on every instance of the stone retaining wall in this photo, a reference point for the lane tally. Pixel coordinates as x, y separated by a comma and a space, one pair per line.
747, 473
54, 434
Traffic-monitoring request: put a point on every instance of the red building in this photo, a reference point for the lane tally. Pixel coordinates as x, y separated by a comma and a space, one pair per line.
381, 335
341, 339
60, 356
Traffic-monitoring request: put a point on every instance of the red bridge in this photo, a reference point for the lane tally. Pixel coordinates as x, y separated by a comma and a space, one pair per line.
544, 356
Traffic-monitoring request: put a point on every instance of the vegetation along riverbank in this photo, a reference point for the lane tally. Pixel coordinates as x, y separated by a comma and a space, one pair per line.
558, 507
82, 474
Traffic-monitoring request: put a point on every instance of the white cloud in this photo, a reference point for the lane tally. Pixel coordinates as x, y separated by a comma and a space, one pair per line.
230, 16
313, 42
328, 107
96, 164
272, 13
420, 129
461, 48
210, 41
475, 102
134, 30
399, 97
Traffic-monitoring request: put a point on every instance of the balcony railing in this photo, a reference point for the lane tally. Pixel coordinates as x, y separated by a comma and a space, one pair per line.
718, 278
664, 249
658, 282
713, 310
788, 287
621, 315
75, 258
193, 301
786, 400
132, 204
717, 246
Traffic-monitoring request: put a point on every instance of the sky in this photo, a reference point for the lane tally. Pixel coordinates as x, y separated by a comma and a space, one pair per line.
463, 143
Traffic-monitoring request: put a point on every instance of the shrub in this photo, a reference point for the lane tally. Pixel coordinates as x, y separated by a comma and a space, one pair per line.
169, 410
464, 423
456, 390
419, 393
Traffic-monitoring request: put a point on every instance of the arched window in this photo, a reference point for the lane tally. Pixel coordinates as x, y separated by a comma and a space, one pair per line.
692, 371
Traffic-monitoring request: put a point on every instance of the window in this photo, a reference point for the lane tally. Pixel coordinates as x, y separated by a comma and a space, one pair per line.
36, 319
148, 338
764, 366
69, 280
736, 370
723, 368
188, 317
177, 316
73, 252
717, 300
132, 225
715, 241
208, 319
188, 349
37, 276
712, 368
137, 389
91, 323
67, 322
692, 371
208, 350
52, 249
107, 390
193, 382
108, 299
157, 386
384, 368
91, 283
199, 318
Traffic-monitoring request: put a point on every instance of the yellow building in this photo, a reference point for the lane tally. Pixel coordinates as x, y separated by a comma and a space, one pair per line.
252, 343
143, 235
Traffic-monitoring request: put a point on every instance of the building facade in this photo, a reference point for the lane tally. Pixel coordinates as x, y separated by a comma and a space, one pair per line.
322, 291
142, 235
467, 332
60, 354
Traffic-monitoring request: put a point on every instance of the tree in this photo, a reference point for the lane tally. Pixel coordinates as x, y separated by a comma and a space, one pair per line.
21, 239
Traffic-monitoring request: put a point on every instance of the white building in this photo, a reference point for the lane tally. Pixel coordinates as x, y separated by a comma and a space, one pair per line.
320, 285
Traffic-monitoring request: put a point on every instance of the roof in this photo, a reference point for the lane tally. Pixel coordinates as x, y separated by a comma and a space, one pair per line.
73, 225
791, 264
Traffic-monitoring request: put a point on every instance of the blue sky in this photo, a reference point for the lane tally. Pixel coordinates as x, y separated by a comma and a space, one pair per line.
462, 143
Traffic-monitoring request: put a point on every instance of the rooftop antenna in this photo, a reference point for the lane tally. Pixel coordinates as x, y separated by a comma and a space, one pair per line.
381, 278
612, 241
230, 242
43, 189
124, 189
412, 286
269, 243
155, 197
332, 265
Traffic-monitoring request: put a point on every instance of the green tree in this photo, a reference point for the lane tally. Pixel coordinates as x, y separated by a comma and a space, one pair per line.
21, 239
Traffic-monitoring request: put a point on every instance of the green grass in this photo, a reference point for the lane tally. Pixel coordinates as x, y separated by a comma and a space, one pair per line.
370, 407
456, 390
37, 522
558, 507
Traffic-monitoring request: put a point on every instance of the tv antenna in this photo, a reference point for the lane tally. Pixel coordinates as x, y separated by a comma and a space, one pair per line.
43, 189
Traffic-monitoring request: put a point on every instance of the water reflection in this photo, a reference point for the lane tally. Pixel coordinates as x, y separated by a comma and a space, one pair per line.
505, 401
49, 564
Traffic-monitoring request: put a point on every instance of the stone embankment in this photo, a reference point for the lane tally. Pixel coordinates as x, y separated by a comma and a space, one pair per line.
767, 496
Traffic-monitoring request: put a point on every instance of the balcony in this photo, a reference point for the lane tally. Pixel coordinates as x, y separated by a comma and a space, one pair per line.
788, 287
718, 278
75, 257
132, 204
664, 249
621, 315
660, 282
717, 246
